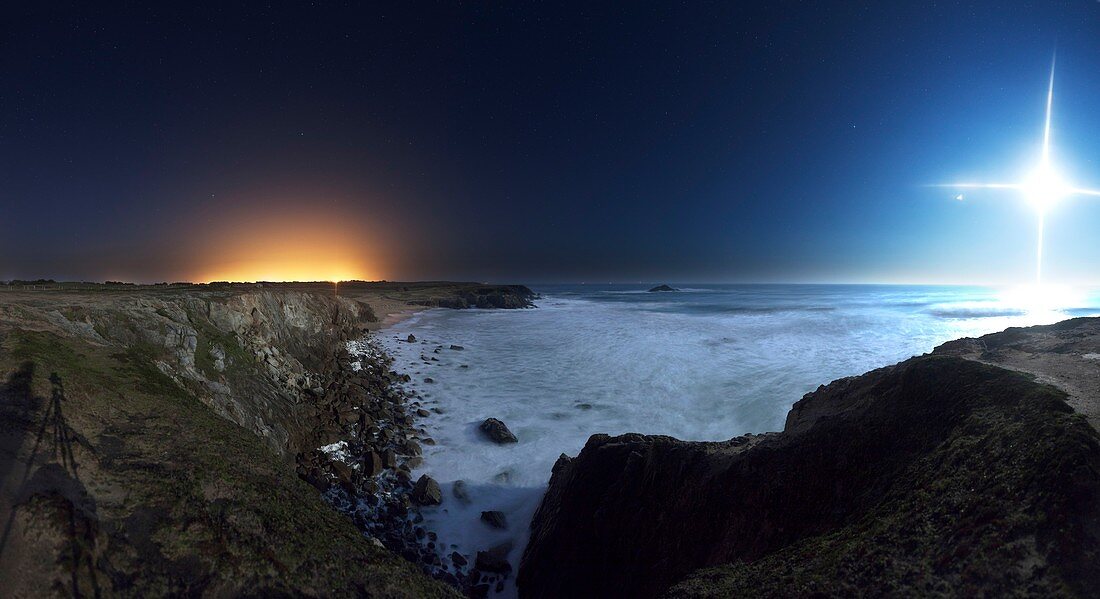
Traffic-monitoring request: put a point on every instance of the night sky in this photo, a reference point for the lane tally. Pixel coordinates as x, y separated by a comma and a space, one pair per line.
729, 141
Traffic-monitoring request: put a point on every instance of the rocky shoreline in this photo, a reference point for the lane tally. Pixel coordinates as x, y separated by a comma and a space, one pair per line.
367, 474
194, 418
187, 424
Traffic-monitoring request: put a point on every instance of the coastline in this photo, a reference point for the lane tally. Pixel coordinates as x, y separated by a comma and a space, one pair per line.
377, 476
439, 330
310, 378
229, 392
391, 313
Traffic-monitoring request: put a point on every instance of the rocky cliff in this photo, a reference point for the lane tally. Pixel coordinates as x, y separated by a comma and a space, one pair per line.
938, 476
150, 437
258, 358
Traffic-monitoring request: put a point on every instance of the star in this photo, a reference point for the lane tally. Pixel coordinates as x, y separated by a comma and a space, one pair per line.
1043, 187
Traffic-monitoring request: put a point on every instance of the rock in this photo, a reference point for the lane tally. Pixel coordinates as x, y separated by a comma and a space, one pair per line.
458, 559
372, 464
426, 491
429, 379
494, 518
460, 492
411, 338
457, 347
497, 431
389, 458
494, 560
343, 473
663, 288
423, 413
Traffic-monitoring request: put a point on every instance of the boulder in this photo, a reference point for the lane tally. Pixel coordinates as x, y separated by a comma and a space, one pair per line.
460, 492
494, 560
497, 431
343, 473
372, 464
494, 519
411, 338
426, 491
412, 448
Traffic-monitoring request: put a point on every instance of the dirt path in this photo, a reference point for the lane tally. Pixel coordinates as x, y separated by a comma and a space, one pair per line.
1065, 354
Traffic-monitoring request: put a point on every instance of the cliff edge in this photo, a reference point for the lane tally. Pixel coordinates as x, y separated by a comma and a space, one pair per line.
938, 476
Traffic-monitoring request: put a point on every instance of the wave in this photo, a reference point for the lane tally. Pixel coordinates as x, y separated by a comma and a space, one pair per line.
975, 312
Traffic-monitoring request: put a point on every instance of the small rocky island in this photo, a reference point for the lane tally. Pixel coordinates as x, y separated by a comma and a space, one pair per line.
661, 288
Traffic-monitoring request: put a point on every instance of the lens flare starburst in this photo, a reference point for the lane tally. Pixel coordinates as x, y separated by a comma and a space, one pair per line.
1043, 188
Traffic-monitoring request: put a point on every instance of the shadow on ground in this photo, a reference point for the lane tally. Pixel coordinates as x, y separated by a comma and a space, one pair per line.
42, 490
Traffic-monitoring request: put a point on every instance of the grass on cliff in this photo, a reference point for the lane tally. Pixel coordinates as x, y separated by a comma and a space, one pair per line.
237, 360
184, 501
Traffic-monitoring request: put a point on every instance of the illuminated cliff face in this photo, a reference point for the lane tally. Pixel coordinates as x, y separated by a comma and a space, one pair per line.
287, 246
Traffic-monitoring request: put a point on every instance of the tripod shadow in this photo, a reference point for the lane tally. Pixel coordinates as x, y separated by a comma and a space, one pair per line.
49, 468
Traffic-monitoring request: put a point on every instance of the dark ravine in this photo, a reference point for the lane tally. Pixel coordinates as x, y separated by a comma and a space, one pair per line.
938, 476
151, 435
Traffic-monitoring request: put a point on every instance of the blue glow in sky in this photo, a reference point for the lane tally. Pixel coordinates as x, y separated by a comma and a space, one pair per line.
709, 142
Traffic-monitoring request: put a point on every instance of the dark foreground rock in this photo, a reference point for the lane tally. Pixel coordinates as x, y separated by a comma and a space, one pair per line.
663, 288
497, 431
935, 477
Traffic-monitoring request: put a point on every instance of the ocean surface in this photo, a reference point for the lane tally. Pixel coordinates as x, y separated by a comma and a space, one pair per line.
710, 362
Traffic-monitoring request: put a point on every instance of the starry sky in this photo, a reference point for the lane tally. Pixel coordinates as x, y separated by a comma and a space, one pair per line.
521, 142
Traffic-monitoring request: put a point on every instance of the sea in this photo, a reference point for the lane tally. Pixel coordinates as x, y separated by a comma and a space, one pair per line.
707, 362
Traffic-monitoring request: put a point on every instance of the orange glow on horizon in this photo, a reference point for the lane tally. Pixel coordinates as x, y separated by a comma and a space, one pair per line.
282, 247
282, 272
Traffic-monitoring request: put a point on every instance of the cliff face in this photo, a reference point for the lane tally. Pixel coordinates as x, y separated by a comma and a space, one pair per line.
937, 476
147, 435
257, 358
117, 477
